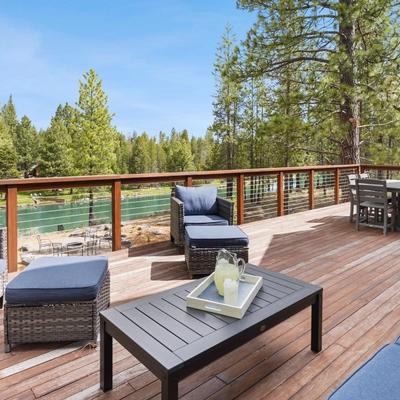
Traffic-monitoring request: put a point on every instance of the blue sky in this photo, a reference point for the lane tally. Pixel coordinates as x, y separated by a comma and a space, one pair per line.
155, 57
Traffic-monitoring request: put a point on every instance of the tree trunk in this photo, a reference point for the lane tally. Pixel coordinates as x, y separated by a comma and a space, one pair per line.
350, 107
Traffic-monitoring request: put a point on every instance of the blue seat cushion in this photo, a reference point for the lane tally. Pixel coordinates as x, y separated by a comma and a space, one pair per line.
377, 379
198, 200
215, 236
50, 280
204, 220
2, 265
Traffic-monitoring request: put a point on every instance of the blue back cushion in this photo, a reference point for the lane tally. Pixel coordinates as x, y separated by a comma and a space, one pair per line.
198, 200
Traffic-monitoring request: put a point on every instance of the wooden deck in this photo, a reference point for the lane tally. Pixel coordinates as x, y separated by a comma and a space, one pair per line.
360, 274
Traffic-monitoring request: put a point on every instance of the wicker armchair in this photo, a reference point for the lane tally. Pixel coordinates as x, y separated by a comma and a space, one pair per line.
225, 210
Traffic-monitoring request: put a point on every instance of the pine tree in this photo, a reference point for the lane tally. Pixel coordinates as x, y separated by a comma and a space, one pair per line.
8, 155
26, 144
56, 148
140, 158
227, 103
179, 152
10, 118
95, 138
122, 153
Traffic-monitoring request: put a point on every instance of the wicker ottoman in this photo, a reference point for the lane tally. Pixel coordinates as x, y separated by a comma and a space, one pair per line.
3, 278
202, 244
56, 299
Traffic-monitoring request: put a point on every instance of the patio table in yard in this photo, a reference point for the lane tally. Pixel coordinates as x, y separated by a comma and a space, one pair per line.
174, 341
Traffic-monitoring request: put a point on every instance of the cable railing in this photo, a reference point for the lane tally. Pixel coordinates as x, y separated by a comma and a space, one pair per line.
121, 201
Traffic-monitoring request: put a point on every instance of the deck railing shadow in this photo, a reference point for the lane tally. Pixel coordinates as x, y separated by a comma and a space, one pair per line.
328, 233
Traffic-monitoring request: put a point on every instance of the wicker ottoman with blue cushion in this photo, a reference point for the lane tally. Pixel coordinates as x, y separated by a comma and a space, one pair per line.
202, 244
56, 299
3, 275
377, 379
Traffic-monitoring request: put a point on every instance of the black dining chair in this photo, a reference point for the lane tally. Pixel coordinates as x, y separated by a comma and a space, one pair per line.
351, 180
373, 207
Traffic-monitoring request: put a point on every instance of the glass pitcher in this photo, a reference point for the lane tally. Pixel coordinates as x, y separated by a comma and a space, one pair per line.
227, 266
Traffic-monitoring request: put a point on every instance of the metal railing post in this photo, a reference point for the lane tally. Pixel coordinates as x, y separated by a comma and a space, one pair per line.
311, 200
116, 215
240, 199
12, 228
281, 194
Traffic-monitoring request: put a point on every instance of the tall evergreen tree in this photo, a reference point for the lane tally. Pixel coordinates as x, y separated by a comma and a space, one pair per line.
8, 155
179, 152
141, 155
10, 118
26, 144
122, 153
227, 103
56, 148
95, 138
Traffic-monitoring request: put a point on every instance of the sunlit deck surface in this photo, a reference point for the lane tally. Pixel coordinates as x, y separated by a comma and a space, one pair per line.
360, 274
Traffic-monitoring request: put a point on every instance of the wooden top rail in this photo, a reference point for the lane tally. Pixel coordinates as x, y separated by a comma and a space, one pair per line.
380, 167
28, 184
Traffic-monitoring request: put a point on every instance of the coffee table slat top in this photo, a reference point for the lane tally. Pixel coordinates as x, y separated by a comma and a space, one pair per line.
170, 335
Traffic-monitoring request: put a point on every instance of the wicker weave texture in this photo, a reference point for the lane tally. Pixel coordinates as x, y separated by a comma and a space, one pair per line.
202, 261
55, 322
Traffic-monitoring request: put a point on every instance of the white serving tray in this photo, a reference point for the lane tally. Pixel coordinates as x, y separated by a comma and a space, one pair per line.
205, 296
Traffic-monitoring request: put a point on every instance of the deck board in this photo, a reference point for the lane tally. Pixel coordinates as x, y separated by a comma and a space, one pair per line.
360, 274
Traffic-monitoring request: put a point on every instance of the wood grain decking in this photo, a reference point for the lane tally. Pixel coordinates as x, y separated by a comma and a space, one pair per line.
360, 274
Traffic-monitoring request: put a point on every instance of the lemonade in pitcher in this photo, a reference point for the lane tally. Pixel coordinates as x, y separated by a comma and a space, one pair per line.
227, 266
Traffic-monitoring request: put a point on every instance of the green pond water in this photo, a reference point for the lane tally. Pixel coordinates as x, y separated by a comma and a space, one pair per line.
52, 217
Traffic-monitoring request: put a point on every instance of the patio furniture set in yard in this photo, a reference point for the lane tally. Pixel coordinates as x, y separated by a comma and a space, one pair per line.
88, 242
67, 298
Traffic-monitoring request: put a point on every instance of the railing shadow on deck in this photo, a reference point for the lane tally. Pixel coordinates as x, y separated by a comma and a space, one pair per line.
321, 241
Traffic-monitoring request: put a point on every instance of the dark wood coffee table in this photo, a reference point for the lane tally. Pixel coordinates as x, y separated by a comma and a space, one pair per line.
173, 341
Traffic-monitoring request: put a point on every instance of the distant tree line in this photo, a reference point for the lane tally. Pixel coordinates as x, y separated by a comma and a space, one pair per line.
82, 140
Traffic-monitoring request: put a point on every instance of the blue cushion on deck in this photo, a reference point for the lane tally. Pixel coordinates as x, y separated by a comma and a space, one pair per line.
58, 280
204, 220
198, 200
215, 236
377, 379
2, 265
